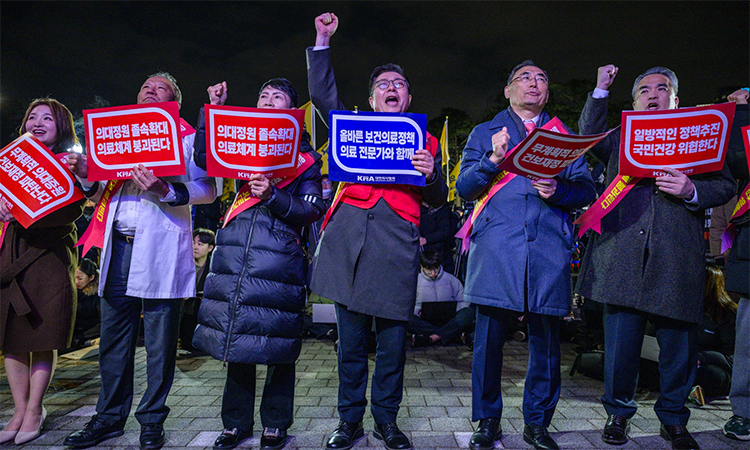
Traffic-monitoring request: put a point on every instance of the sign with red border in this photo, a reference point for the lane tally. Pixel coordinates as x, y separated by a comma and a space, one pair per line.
691, 140
746, 138
547, 151
34, 181
121, 137
243, 141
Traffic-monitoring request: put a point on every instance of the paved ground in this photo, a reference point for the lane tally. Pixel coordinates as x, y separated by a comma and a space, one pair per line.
435, 411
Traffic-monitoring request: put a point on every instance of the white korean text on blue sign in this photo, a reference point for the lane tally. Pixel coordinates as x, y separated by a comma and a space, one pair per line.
373, 147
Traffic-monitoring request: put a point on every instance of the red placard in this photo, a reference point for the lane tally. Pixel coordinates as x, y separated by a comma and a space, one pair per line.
244, 141
34, 181
746, 138
691, 140
121, 137
545, 153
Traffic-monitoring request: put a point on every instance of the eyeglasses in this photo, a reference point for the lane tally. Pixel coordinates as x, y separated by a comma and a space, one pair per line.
398, 83
526, 79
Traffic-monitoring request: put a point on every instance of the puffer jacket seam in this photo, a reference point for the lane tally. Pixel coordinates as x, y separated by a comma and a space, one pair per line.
235, 299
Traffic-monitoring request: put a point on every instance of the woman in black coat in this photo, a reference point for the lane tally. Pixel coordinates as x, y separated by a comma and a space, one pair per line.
255, 292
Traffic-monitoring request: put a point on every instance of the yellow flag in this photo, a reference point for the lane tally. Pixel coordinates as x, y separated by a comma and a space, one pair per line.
323, 150
452, 182
308, 107
444, 141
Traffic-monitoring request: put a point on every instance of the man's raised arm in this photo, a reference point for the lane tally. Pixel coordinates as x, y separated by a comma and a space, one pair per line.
321, 81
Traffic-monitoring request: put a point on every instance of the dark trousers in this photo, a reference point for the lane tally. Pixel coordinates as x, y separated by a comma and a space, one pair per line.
276, 404
542, 387
387, 379
714, 374
188, 322
623, 338
451, 330
120, 324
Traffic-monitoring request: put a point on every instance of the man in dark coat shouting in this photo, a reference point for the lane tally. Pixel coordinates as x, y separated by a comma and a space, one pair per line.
648, 264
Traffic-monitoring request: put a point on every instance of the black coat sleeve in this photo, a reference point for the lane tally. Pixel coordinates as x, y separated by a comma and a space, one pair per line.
199, 146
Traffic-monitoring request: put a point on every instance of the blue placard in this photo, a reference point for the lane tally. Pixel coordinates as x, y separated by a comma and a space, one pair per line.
375, 147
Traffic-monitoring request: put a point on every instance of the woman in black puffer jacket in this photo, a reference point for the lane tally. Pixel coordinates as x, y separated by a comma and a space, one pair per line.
254, 294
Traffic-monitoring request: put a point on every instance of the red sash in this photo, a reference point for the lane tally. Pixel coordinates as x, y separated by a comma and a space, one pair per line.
743, 205
244, 199
94, 235
185, 128
498, 183
615, 192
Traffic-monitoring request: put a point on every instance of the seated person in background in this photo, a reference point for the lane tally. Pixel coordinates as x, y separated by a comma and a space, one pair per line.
204, 241
88, 318
436, 230
715, 340
436, 285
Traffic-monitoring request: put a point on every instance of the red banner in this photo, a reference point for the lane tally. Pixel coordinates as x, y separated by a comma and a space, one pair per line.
691, 140
545, 153
121, 137
616, 191
244, 141
94, 235
746, 138
33, 181
185, 128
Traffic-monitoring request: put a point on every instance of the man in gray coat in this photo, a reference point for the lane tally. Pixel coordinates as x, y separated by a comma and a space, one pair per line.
519, 260
368, 257
648, 264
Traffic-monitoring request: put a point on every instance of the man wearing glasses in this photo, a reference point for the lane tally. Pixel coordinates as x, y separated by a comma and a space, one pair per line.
368, 258
519, 261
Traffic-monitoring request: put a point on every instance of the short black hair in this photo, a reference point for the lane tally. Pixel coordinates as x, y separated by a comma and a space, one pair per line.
283, 85
205, 235
528, 62
430, 259
390, 67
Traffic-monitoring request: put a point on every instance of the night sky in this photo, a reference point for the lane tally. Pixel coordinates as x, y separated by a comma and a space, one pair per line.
456, 54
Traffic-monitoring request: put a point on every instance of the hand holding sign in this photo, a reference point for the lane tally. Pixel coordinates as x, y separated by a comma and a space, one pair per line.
145, 180
605, 76
77, 164
5, 215
217, 93
260, 186
499, 146
676, 183
423, 162
546, 187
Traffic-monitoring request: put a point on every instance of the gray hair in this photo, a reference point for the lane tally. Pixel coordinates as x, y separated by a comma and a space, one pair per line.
656, 70
171, 79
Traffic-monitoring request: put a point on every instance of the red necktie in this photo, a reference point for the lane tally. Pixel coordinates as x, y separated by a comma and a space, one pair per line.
529, 127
